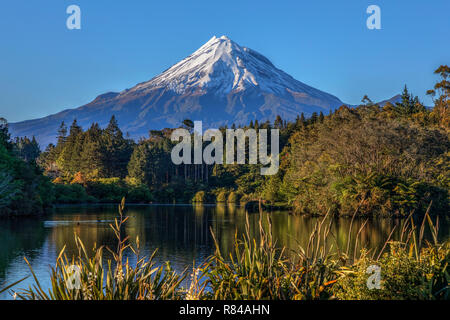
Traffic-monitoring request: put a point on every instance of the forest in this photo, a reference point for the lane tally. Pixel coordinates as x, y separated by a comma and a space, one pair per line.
372, 160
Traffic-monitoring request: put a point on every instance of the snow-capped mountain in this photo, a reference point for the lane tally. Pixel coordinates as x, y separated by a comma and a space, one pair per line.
220, 83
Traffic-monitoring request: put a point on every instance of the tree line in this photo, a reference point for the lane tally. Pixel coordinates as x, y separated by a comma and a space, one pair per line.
371, 159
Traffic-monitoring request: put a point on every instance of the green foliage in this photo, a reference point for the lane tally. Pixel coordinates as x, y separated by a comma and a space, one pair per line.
139, 194
357, 160
150, 162
23, 189
271, 190
26, 149
107, 189
409, 271
371, 160
403, 277
95, 152
72, 193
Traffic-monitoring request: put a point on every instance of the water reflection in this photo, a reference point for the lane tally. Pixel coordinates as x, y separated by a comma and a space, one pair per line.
180, 233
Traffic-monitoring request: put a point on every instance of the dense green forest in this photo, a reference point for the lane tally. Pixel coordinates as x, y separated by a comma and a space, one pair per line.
373, 160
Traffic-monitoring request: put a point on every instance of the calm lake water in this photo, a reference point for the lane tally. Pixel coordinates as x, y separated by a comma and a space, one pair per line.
181, 233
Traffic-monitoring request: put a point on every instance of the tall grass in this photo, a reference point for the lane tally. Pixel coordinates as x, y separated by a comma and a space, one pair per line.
411, 268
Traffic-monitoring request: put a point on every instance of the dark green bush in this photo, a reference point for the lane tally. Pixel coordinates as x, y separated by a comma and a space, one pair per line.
403, 277
139, 194
70, 193
107, 190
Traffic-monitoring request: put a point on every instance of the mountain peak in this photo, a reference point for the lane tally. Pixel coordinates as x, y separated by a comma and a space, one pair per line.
225, 66
220, 83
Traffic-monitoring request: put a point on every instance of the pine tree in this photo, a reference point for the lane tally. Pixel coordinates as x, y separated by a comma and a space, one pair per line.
278, 123
69, 158
302, 121
62, 135
4, 134
92, 156
117, 150
366, 101
138, 165
321, 117
26, 149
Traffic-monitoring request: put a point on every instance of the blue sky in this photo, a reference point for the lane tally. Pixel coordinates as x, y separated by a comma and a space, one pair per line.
45, 68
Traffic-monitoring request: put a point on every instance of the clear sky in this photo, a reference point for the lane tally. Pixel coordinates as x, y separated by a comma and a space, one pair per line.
45, 68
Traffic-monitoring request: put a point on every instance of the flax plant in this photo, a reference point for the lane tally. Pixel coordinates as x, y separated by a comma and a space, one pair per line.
261, 270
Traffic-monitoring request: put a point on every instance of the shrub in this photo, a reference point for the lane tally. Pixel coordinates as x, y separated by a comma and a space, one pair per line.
78, 178
403, 277
233, 197
139, 194
73, 193
58, 180
107, 190
245, 198
199, 197
221, 197
411, 270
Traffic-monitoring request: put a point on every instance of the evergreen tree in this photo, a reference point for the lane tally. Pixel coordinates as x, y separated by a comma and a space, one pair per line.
4, 134
69, 158
366, 101
321, 117
26, 149
138, 165
62, 135
409, 104
278, 123
117, 150
92, 156
150, 162
441, 97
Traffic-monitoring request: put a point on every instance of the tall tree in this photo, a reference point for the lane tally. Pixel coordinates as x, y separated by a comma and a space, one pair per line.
441, 97
117, 150
69, 158
92, 156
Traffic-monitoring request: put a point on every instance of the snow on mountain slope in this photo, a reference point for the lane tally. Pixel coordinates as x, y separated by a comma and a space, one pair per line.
224, 66
220, 83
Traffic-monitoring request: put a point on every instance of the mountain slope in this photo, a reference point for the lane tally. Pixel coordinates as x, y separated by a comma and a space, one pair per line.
220, 83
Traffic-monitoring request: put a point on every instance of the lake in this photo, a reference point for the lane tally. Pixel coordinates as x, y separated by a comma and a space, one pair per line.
181, 233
